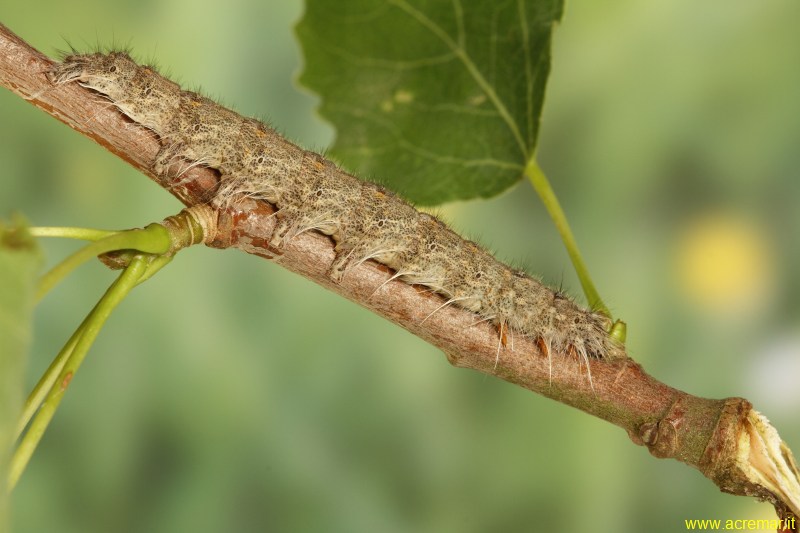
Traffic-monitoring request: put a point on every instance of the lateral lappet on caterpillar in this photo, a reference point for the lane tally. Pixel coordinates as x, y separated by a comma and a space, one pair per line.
365, 220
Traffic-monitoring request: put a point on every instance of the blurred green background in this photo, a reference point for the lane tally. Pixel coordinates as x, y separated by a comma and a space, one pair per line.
230, 395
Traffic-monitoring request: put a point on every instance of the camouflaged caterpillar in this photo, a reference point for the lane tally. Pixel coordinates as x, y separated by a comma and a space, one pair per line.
365, 220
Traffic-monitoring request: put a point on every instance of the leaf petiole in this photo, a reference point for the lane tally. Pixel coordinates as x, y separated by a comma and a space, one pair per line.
84, 234
545, 191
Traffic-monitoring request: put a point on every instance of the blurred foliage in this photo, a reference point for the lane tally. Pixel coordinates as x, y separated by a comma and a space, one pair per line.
19, 262
228, 394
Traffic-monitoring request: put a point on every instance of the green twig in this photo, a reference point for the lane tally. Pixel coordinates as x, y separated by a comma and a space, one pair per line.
153, 239
84, 337
145, 252
157, 262
49, 377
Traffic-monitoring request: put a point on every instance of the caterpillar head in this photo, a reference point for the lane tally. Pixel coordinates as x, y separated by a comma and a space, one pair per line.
139, 92
110, 74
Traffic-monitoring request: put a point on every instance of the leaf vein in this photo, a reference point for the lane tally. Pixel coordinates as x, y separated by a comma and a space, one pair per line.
363, 114
391, 64
472, 69
459, 16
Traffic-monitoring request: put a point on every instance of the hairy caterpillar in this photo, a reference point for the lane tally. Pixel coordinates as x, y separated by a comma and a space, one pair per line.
365, 220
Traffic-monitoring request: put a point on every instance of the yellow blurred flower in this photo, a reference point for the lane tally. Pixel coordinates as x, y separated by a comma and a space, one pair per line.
724, 265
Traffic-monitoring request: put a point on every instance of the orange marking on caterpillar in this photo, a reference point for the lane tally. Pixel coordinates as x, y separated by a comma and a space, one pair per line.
502, 330
542, 346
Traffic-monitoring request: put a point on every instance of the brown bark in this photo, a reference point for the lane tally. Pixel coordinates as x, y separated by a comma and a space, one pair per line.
726, 440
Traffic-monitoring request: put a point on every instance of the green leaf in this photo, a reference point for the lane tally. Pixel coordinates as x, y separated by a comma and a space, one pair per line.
19, 264
437, 99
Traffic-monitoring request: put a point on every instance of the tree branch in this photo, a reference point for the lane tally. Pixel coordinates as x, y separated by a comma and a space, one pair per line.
728, 441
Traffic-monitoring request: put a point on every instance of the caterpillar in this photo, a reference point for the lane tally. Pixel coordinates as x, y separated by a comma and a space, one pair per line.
310, 193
